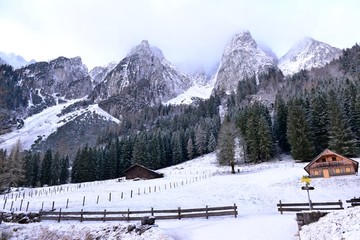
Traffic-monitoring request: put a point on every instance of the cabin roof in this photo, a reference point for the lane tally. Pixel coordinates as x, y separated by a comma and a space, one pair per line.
141, 166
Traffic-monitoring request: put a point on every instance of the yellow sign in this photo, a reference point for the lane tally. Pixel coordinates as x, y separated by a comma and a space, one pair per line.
306, 179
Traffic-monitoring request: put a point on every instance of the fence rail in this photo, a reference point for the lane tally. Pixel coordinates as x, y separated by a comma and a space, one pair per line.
297, 207
130, 215
355, 202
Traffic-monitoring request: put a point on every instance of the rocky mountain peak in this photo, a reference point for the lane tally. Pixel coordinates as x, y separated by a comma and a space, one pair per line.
306, 54
241, 41
242, 58
145, 50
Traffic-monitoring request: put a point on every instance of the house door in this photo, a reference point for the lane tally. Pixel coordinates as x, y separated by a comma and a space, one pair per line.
326, 173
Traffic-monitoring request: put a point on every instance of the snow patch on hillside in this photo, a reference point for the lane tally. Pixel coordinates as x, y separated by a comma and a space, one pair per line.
41, 125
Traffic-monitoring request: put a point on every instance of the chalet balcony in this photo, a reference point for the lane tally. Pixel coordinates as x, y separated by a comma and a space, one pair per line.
330, 164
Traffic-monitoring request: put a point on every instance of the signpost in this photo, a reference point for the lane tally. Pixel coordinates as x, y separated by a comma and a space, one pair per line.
307, 187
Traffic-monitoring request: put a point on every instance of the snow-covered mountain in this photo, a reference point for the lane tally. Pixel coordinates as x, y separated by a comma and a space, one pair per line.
307, 54
144, 77
14, 60
99, 73
61, 78
242, 58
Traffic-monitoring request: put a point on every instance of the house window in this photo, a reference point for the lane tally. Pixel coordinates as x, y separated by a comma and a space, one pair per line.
337, 170
347, 169
316, 172
334, 158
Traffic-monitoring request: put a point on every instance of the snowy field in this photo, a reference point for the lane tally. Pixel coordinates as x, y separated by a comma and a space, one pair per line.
255, 189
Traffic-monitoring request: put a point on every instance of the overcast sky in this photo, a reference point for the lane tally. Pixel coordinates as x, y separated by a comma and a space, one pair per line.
191, 33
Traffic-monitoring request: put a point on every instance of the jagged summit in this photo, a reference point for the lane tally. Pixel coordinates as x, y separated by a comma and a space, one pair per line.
14, 60
144, 48
308, 53
242, 58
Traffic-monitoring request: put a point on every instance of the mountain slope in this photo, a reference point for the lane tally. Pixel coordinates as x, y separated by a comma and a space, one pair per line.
144, 77
307, 54
242, 58
99, 73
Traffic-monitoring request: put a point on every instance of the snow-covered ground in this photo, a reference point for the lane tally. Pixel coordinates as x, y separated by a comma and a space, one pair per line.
255, 189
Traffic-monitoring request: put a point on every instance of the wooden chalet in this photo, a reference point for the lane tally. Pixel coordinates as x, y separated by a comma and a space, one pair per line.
329, 163
141, 172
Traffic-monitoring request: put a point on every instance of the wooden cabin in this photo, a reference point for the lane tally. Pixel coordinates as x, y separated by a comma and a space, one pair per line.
141, 172
329, 163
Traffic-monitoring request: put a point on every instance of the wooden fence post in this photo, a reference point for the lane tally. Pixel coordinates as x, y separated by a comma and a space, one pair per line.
131, 193
207, 216
128, 215
110, 197
53, 205
21, 204
12, 203
97, 200
27, 206
83, 200
152, 211
122, 195
341, 204
42, 206
281, 210
235, 210
67, 203
179, 212
5, 203
81, 216
104, 215
59, 215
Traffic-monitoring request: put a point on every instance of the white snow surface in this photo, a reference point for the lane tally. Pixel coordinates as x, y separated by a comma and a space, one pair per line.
45, 123
255, 189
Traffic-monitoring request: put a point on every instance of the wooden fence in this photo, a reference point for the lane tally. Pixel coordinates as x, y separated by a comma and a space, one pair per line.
131, 215
297, 207
355, 202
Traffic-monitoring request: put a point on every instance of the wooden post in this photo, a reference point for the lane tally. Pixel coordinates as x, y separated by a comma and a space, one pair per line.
81, 216
27, 206
97, 200
149, 189
207, 216
131, 193
67, 203
53, 205
42, 206
104, 215
235, 210
110, 197
5, 203
122, 194
138, 191
341, 204
179, 213
83, 200
281, 210
59, 215
128, 215
21, 204
152, 211
155, 188
12, 203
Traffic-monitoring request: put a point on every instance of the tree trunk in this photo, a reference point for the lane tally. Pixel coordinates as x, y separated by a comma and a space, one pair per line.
232, 164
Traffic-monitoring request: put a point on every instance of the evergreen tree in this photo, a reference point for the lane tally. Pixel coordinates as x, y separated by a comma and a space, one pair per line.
55, 169
177, 155
211, 143
319, 122
84, 167
280, 124
341, 138
64, 170
45, 171
298, 131
200, 139
140, 150
190, 148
